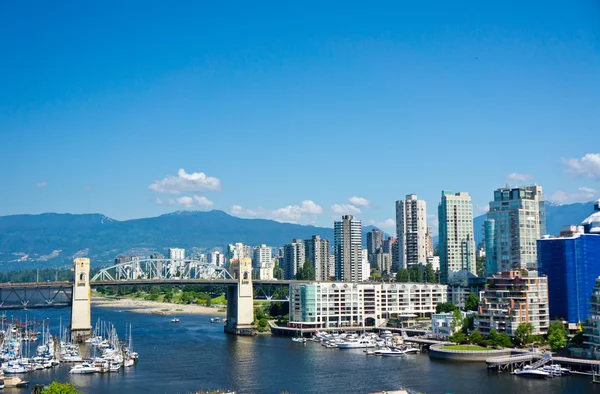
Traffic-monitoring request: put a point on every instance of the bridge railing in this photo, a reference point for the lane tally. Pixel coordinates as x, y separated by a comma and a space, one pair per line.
161, 269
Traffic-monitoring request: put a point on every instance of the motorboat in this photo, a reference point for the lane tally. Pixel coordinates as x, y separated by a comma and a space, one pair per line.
174, 320
299, 339
215, 319
11, 369
390, 353
556, 370
115, 367
128, 362
410, 350
532, 372
84, 368
354, 343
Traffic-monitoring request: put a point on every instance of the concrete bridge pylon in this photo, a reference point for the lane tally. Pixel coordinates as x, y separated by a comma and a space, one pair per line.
240, 299
81, 319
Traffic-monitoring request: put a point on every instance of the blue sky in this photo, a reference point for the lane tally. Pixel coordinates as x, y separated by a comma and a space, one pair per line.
296, 112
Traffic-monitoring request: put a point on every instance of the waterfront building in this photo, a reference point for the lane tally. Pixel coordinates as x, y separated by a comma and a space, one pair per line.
458, 293
591, 326
176, 254
457, 244
511, 299
572, 263
516, 220
375, 239
441, 324
294, 256
348, 249
411, 231
317, 251
325, 305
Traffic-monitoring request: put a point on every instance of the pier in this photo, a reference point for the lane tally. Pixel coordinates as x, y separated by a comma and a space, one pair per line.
510, 363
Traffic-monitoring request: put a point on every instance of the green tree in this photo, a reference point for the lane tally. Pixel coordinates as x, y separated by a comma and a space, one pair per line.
578, 338
504, 340
306, 272
457, 337
168, 297
445, 307
457, 320
472, 302
557, 335
524, 334
480, 266
429, 273
494, 338
60, 388
263, 325
415, 273
475, 337
187, 297
277, 271
468, 324
402, 275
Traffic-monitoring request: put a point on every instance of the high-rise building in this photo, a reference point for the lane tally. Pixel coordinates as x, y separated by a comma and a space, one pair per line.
411, 229
510, 299
216, 258
429, 240
375, 240
519, 220
293, 258
238, 251
317, 251
572, 264
366, 266
176, 254
261, 255
457, 245
348, 249
331, 265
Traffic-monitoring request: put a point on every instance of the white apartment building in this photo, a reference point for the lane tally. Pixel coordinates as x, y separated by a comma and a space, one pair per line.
457, 244
511, 299
366, 266
411, 229
238, 251
348, 249
337, 304
317, 251
176, 254
262, 262
294, 256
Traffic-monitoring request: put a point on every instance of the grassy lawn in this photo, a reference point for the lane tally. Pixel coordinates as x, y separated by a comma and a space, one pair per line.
219, 300
465, 347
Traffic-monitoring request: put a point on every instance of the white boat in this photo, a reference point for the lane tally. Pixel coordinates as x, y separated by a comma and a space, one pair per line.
410, 350
299, 339
390, 353
215, 319
532, 372
11, 369
174, 320
556, 370
354, 343
83, 369
115, 367
128, 362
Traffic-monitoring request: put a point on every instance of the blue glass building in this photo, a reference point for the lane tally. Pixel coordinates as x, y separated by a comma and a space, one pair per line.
572, 265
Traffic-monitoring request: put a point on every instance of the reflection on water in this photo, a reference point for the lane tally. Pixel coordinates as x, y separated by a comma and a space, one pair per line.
195, 354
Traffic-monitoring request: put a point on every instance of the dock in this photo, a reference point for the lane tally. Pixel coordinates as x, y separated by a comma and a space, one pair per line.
510, 363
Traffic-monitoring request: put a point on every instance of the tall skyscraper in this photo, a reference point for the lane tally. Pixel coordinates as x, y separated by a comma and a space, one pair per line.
457, 245
176, 254
429, 240
411, 229
317, 251
519, 220
293, 258
375, 240
238, 251
348, 249
261, 255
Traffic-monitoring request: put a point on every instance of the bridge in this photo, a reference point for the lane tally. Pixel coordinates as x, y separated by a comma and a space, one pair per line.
242, 290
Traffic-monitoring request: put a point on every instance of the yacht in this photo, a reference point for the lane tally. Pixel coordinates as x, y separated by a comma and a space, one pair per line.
299, 339
174, 320
556, 370
355, 343
128, 362
115, 367
83, 369
10, 369
532, 372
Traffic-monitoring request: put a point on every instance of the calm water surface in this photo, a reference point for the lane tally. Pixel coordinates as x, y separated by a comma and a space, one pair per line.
195, 354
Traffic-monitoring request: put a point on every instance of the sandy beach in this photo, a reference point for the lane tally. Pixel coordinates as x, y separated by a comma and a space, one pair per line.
157, 308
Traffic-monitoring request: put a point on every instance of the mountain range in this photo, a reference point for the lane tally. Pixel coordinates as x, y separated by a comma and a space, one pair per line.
52, 239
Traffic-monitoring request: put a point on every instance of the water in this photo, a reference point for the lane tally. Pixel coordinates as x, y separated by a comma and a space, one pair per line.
195, 354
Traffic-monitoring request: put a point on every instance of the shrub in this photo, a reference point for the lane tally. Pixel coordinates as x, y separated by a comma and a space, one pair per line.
464, 342
483, 344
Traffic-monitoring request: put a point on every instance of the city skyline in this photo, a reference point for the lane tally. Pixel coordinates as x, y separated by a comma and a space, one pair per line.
139, 121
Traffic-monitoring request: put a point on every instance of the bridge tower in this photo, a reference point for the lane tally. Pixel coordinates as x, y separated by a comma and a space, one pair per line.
240, 298
81, 319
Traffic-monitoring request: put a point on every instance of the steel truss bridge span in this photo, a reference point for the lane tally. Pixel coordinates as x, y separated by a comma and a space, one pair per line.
162, 269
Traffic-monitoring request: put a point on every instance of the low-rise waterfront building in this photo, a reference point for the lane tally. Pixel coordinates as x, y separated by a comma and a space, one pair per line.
511, 299
339, 304
441, 324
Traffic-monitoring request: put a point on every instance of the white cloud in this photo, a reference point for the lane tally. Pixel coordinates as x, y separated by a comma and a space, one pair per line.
583, 194
184, 182
41, 184
588, 165
515, 177
203, 201
386, 224
345, 209
188, 202
359, 201
303, 213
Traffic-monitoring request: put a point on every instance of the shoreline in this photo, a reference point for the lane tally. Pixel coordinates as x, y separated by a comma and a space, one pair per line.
156, 308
